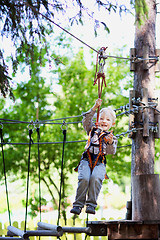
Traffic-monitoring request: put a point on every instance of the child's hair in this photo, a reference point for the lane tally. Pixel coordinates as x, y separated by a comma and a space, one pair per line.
112, 112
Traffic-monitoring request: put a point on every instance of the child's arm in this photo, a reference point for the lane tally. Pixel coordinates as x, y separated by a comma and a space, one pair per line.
111, 147
97, 104
88, 116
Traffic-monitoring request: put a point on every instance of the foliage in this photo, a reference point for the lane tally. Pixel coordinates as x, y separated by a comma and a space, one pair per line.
34, 205
24, 23
77, 94
5, 87
141, 10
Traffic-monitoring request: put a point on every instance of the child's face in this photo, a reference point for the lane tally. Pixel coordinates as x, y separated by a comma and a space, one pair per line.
106, 121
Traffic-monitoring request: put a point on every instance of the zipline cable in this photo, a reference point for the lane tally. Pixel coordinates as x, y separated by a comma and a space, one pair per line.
30, 143
4, 169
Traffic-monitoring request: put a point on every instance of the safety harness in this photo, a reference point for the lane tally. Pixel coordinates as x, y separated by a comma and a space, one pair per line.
102, 137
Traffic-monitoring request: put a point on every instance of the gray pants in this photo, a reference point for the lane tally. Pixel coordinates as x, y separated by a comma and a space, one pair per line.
89, 182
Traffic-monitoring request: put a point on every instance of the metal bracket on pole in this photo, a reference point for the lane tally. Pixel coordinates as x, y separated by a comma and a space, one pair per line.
145, 116
131, 116
132, 57
157, 68
157, 115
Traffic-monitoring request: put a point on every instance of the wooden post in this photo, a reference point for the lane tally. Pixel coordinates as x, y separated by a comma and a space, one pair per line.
146, 189
157, 115
145, 185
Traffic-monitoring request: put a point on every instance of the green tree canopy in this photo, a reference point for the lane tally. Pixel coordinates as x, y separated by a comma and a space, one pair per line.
77, 95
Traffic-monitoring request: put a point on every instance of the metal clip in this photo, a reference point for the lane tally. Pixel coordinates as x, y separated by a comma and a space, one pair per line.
36, 124
102, 57
31, 126
64, 125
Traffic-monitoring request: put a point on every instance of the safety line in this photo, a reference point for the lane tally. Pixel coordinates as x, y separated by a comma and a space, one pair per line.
41, 143
51, 121
121, 108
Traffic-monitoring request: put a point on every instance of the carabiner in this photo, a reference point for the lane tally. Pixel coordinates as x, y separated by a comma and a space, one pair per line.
64, 125
31, 124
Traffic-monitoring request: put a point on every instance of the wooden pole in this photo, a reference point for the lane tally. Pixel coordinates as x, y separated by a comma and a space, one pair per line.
143, 144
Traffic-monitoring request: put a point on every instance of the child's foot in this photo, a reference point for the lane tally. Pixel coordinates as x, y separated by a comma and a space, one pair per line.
90, 210
76, 210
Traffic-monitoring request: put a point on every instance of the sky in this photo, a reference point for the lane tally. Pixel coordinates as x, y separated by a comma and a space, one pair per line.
122, 30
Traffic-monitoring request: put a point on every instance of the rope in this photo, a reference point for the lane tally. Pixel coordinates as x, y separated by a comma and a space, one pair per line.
30, 142
98, 76
78, 141
39, 170
61, 182
43, 142
4, 169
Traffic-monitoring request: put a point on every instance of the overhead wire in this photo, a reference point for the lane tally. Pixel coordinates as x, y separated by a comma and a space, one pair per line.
38, 12
58, 26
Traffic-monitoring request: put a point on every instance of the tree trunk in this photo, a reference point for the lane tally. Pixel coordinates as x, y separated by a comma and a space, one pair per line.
143, 145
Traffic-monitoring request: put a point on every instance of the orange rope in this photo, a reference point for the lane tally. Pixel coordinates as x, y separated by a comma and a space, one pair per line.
97, 78
100, 86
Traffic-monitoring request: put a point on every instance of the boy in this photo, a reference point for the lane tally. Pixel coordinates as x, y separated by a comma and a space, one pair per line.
91, 169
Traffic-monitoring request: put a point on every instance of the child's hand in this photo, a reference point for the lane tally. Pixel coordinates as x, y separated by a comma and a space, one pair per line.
97, 104
110, 138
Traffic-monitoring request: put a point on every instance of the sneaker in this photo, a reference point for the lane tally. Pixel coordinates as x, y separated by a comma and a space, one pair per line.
76, 210
90, 210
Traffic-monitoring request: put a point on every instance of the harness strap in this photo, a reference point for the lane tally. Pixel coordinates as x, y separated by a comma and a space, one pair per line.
102, 138
100, 154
